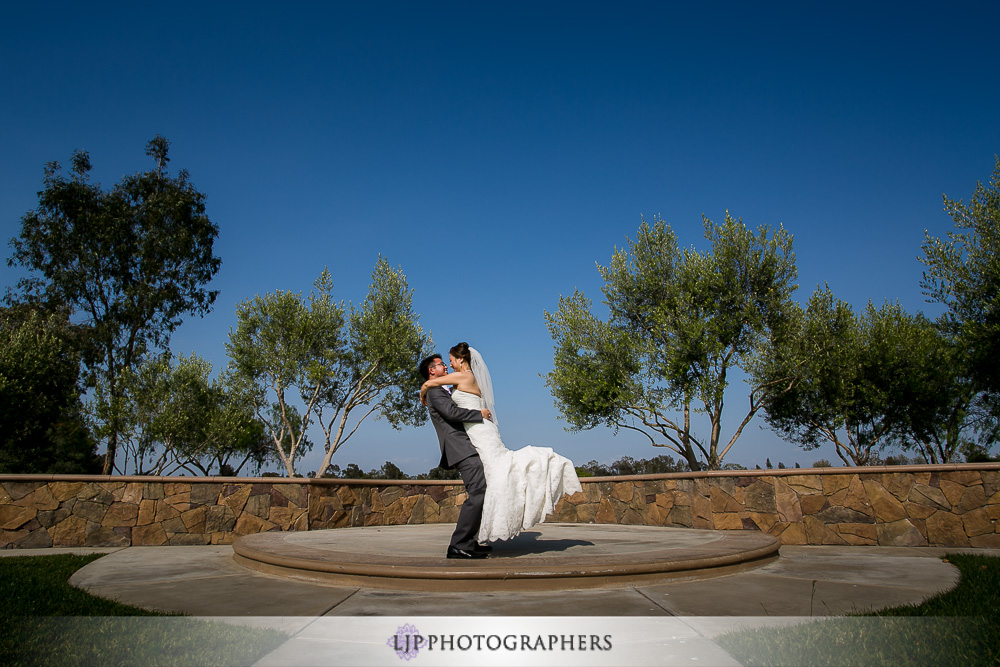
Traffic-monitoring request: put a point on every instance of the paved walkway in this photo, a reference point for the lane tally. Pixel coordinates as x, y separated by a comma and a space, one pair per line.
804, 581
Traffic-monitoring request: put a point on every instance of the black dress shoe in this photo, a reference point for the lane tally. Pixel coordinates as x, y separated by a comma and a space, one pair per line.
484, 548
454, 552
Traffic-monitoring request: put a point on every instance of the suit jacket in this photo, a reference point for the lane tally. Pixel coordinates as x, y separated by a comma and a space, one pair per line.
448, 419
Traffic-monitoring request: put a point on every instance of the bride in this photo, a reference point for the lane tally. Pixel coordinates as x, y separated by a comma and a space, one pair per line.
522, 486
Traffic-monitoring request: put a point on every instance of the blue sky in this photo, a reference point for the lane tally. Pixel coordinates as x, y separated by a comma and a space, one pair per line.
498, 151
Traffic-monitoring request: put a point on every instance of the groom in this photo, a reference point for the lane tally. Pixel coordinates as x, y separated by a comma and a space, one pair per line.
457, 452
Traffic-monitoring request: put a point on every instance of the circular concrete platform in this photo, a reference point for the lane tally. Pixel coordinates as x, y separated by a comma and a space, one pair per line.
546, 557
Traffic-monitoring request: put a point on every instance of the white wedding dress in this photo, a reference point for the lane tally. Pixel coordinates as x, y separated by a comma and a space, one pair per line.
522, 486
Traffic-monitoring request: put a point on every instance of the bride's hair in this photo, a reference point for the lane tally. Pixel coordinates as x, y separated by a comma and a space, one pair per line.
461, 351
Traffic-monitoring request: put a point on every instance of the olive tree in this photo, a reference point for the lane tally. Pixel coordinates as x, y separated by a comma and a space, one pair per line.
343, 363
963, 273
837, 397
943, 413
175, 417
680, 322
868, 382
129, 262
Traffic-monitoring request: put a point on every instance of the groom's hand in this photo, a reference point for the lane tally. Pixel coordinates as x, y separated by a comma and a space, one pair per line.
487, 414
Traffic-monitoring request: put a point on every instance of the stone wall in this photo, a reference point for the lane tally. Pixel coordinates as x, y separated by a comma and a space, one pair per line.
342, 505
71, 511
948, 505
945, 505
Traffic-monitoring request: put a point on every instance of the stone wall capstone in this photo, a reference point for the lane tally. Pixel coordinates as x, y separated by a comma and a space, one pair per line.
953, 505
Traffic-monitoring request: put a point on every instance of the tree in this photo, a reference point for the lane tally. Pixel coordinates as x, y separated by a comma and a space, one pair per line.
963, 273
629, 466
389, 470
679, 323
832, 399
353, 471
941, 410
175, 417
42, 427
339, 360
438, 472
130, 261
977, 454
865, 383
235, 437
281, 345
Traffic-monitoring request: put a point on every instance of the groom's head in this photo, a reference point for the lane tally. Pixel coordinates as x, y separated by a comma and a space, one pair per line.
432, 367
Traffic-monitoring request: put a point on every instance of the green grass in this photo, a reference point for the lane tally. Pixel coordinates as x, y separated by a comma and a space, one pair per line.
959, 627
45, 621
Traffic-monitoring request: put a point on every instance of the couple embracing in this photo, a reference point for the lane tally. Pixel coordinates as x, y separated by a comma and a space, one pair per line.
508, 491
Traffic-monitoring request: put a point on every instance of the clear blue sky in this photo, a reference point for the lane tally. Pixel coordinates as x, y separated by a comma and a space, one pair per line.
497, 151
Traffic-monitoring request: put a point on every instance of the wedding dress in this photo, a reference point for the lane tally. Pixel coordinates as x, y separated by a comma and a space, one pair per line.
522, 486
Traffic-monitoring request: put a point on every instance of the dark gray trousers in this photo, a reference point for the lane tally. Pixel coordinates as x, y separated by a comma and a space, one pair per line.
471, 514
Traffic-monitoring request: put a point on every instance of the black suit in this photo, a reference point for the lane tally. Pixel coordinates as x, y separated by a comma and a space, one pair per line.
457, 452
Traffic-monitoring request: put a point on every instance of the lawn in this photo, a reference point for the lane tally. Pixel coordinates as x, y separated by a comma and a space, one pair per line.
46, 621
959, 627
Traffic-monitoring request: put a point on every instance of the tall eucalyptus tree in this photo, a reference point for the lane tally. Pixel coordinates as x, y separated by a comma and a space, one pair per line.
129, 262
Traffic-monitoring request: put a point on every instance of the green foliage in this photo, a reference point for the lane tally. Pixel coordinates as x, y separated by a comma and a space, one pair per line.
867, 382
350, 471
941, 411
963, 273
42, 428
389, 470
973, 453
283, 343
337, 359
174, 417
679, 322
595, 366
440, 473
902, 460
131, 261
629, 466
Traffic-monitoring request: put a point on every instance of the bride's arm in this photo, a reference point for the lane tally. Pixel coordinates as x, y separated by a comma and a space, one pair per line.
465, 381
447, 408
450, 378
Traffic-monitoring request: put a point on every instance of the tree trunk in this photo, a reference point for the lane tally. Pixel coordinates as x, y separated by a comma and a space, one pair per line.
109, 456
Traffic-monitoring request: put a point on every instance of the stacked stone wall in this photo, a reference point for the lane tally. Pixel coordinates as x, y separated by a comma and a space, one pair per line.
82, 511
382, 504
956, 505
